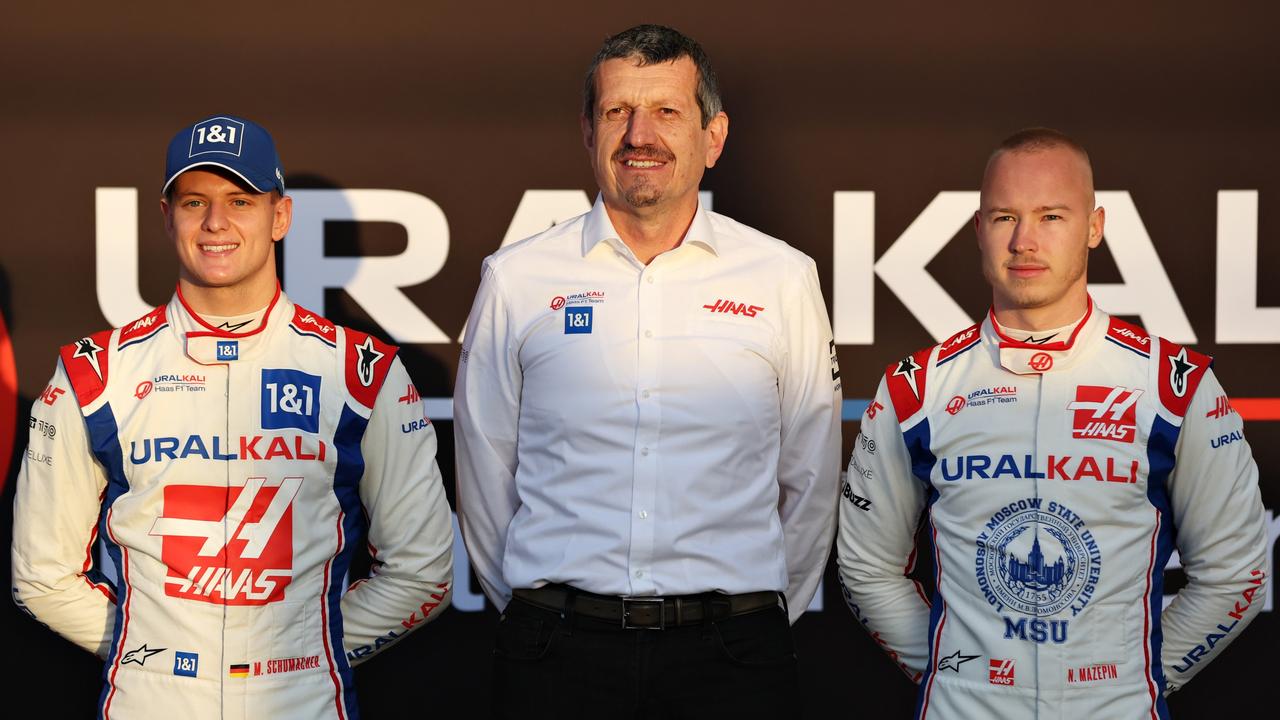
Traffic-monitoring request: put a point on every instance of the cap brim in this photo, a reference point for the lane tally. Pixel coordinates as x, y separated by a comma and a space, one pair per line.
258, 186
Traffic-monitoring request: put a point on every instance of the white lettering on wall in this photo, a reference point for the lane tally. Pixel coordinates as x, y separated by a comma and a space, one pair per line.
901, 267
116, 249
542, 209
376, 283
373, 282
852, 256
1145, 292
1239, 319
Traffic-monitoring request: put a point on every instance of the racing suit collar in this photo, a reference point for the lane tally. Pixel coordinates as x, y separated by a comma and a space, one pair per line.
209, 345
1030, 358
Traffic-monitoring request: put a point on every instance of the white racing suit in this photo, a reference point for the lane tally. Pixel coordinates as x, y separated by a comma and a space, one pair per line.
1053, 481
230, 477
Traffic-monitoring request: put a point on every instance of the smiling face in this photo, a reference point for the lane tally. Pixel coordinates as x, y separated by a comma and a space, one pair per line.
1035, 227
225, 236
647, 143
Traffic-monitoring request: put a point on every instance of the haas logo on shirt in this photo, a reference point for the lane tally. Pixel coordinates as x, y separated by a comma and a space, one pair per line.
230, 546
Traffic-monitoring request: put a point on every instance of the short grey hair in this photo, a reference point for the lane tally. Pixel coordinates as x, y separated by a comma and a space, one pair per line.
652, 44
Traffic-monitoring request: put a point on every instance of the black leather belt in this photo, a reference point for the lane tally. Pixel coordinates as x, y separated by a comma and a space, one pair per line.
647, 613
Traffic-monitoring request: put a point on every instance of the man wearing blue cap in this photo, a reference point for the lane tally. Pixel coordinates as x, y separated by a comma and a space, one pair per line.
230, 449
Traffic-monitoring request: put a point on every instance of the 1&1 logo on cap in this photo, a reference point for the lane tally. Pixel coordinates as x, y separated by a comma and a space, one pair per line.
577, 320
218, 134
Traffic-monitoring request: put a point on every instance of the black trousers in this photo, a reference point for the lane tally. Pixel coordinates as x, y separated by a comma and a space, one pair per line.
549, 666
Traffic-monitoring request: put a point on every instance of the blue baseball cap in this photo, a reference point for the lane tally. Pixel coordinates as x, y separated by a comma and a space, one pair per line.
241, 146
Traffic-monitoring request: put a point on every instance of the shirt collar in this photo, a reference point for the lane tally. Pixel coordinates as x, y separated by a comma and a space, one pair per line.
598, 228
208, 345
1034, 358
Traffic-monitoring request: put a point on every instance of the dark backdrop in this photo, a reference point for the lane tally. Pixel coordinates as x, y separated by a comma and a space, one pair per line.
472, 105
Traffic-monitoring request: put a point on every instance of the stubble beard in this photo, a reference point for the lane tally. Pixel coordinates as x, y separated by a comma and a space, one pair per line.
642, 194
1040, 292
1026, 294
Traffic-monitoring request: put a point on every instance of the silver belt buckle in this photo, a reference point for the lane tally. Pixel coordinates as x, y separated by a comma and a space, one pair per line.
628, 603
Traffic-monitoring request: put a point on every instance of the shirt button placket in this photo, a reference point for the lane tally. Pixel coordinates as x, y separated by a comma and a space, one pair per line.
648, 418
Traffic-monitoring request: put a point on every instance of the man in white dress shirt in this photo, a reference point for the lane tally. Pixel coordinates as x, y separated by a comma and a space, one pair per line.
647, 424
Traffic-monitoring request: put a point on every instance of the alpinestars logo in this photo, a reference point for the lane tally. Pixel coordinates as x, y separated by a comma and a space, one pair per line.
369, 356
954, 661
230, 326
139, 656
907, 368
237, 555
1182, 368
88, 349
1105, 413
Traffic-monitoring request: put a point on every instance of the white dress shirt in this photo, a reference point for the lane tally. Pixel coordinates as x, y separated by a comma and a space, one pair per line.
640, 430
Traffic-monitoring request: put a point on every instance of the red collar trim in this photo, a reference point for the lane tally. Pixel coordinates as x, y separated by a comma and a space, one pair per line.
1008, 342
227, 333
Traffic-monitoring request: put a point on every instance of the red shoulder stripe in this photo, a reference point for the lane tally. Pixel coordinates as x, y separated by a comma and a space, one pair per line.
1129, 335
1180, 373
958, 342
86, 364
367, 361
143, 326
905, 380
309, 323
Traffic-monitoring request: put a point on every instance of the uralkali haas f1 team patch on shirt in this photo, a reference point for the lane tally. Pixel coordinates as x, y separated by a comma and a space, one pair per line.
577, 320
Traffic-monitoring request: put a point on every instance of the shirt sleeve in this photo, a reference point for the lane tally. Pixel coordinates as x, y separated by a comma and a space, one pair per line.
56, 511
410, 527
1221, 536
486, 410
881, 507
809, 455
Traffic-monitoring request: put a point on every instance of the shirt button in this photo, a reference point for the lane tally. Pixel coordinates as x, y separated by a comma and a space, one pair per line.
649, 279
639, 573
644, 514
644, 451
648, 333
644, 394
